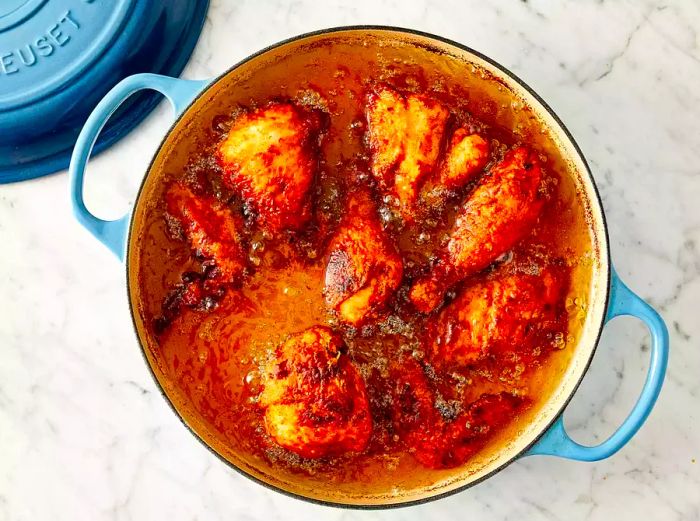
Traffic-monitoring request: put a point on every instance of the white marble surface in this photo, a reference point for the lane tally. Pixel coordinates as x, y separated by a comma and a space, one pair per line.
84, 433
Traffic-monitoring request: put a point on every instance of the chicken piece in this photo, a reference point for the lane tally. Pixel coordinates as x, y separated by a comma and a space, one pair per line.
466, 156
211, 228
315, 400
450, 444
363, 267
213, 233
270, 158
195, 291
404, 137
500, 212
504, 317
413, 412
438, 441
464, 160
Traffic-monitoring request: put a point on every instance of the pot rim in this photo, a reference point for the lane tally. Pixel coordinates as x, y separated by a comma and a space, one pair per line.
603, 256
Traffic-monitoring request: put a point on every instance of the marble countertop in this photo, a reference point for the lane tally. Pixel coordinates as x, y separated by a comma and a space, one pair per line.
84, 433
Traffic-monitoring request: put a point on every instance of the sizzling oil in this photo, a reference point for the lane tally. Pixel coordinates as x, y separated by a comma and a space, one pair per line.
214, 357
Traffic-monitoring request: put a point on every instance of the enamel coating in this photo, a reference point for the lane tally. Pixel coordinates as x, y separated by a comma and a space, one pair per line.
556, 442
58, 58
179, 93
552, 440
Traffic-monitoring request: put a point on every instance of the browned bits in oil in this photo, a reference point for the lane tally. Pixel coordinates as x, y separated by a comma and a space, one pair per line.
214, 354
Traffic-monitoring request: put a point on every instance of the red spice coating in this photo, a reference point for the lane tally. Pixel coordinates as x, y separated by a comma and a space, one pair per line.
269, 157
314, 399
500, 212
506, 317
363, 267
404, 137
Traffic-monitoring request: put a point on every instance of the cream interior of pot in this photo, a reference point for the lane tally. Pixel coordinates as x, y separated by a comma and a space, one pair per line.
493, 96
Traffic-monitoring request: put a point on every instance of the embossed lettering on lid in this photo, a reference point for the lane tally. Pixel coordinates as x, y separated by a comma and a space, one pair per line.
46, 44
58, 58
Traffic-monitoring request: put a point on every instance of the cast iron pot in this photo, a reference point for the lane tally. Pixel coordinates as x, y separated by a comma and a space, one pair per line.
608, 297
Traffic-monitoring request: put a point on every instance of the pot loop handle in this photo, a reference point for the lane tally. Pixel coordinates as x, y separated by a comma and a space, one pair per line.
556, 442
179, 92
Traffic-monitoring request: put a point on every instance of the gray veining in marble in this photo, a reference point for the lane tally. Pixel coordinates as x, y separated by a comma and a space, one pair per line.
84, 433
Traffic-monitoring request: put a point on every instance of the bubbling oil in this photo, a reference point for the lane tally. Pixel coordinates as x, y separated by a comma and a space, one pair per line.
214, 358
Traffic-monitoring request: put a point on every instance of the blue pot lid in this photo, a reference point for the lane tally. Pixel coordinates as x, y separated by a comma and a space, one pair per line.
58, 58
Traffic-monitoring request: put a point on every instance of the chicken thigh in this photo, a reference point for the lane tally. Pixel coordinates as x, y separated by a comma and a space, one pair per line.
500, 212
505, 317
212, 230
270, 157
440, 442
315, 401
363, 267
404, 136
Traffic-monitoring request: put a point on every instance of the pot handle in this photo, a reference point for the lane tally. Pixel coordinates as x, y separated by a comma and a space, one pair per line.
179, 92
556, 442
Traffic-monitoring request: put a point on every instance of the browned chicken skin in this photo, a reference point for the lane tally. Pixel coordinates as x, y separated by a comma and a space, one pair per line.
363, 267
404, 136
500, 212
315, 401
213, 232
464, 159
449, 444
504, 317
439, 442
211, 229
269, 156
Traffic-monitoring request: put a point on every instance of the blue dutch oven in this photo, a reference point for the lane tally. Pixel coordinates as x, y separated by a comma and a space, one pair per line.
58, 58
609, 296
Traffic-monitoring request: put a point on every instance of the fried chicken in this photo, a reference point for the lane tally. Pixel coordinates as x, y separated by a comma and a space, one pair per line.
212, 230
363, 267
270, 158
500, 212
440, 442
315, 401
466, 156
404, 136
504, 317
450, 444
